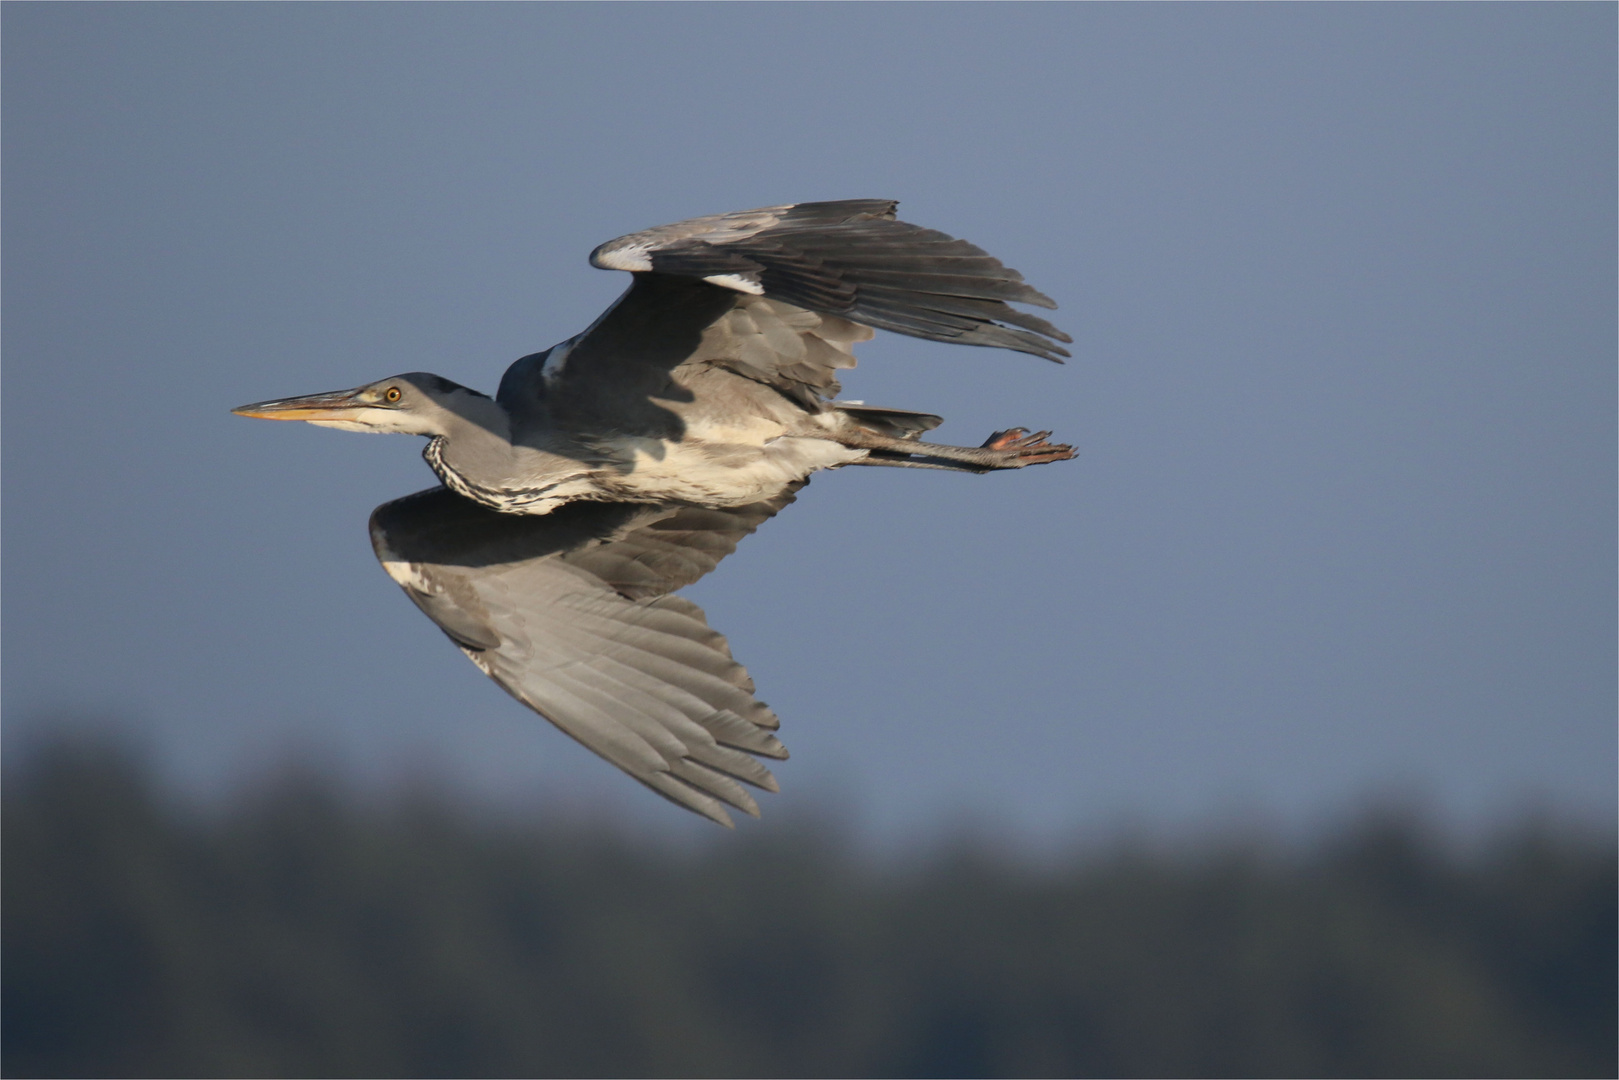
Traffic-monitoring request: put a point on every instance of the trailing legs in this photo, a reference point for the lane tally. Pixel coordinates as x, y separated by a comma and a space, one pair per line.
1010, 449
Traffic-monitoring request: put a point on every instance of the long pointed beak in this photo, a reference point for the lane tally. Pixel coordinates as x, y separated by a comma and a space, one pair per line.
337, 405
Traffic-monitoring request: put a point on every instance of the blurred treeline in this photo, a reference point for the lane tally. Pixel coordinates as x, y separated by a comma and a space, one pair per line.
300, 932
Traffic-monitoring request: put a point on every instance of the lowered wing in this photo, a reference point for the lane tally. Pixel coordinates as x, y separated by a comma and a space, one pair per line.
570, 613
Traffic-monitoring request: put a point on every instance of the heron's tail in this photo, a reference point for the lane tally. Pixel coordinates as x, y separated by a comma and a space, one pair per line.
895, 423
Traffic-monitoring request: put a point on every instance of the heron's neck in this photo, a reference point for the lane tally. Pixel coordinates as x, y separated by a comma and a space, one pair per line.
515, 480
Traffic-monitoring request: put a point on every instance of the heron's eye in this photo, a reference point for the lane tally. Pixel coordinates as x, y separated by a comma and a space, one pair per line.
391, 394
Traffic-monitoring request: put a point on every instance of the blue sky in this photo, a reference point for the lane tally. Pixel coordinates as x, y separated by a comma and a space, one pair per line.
1341, 281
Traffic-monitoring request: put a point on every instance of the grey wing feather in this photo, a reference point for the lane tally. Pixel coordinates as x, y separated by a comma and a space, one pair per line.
570, 613
854, 260
614, 375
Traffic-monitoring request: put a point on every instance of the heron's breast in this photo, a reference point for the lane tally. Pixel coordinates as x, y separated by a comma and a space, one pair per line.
531, 483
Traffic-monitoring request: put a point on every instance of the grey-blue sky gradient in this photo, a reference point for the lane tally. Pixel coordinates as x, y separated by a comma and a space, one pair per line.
1341, 280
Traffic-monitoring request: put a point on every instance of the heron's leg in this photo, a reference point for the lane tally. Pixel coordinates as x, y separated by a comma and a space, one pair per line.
1010, 449
880, 457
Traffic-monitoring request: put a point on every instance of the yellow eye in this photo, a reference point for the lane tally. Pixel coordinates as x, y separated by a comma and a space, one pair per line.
391, 394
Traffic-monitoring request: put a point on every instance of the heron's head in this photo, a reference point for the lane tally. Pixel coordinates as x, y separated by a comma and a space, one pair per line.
414, 404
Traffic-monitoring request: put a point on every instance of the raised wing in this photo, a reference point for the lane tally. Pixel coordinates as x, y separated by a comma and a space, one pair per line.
602, 379
570, 613
779, 296
851, 259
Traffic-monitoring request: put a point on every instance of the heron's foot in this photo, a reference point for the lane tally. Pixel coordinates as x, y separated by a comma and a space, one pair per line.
1022, 448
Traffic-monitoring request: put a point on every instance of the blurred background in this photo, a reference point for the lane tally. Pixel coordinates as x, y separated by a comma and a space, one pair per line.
1273, 736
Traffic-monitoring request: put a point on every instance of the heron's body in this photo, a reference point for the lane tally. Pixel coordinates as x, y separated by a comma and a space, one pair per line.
623, 463
715, 439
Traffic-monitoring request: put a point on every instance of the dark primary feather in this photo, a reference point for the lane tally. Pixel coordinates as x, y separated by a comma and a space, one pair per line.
570, 613
852, 259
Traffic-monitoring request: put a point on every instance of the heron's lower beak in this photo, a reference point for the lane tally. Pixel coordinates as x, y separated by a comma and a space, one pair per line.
337, 405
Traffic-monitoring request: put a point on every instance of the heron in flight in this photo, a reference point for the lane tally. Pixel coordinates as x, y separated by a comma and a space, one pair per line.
626, 462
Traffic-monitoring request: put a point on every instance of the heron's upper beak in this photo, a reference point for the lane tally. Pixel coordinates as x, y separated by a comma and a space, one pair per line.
337, 405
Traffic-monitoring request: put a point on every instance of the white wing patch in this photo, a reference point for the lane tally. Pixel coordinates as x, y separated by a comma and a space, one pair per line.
632, 257
633, 252
737, 282
408, 575
479, 659
405, 574
558, 357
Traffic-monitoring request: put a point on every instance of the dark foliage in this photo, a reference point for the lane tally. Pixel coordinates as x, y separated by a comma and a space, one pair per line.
302, 935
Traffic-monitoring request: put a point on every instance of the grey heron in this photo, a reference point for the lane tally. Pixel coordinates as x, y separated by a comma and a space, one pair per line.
624, 463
